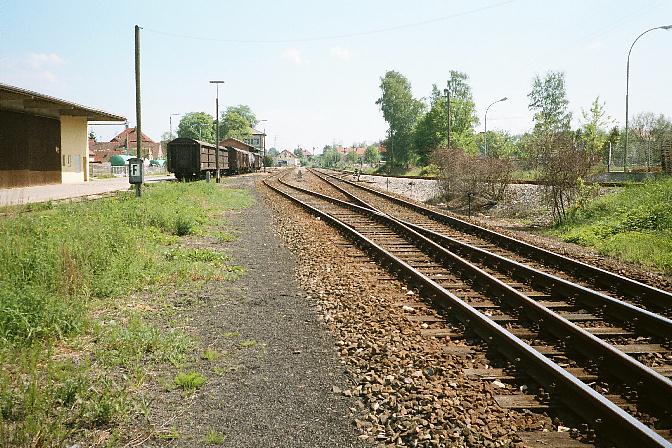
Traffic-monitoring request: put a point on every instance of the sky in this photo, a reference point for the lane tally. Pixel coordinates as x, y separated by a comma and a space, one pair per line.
312, 69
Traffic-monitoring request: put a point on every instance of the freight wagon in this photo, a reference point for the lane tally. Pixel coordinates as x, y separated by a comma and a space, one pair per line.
191, 159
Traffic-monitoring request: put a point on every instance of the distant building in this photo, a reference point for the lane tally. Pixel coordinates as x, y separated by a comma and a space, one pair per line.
286, 158
257, 139
43, 140
125, 143
359, 150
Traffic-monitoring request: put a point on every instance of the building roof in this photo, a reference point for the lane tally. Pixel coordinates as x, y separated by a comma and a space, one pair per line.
257, 132
287, 153
22, 100
132, 138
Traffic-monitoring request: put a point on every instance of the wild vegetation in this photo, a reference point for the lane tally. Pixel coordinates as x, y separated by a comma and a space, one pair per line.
634, 224
74, 280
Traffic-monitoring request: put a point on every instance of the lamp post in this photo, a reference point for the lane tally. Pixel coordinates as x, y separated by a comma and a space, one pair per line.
264, 144
218, 174
485, 152
627, 90
171, 124
447, 93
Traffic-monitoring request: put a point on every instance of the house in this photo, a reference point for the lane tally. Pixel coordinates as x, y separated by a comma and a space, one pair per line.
126, 143
44, 140
257, 139
286, 158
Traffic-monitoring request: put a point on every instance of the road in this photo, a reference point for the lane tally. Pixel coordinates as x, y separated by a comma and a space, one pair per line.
43, 193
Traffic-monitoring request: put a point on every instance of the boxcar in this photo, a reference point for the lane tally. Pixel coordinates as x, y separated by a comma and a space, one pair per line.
192, 159
240, 161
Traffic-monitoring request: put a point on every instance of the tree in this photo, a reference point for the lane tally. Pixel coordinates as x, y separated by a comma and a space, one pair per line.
92, 136
272, 152
237, 122
501, 145
548, 101
593, 132
401, 111
432, 128
330, 158
372, 155
351, 157
197, 125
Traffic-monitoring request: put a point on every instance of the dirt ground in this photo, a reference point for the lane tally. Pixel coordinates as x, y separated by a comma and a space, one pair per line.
271, 364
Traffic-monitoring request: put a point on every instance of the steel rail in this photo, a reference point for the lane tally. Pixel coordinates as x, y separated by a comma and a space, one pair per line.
645, 320
656, 387
602, 277
617, 425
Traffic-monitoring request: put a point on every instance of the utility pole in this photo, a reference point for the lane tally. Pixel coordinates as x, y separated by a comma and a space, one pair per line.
447, 93
171, 124
264, 144
138, 114
218, 175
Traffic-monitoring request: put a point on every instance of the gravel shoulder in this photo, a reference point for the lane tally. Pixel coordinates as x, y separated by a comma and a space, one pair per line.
271, 368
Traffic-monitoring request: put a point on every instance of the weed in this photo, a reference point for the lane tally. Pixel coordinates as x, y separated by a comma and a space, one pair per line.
214, 437
210, 355
170, 434
231, 334
248, 343
189, 381
224, 237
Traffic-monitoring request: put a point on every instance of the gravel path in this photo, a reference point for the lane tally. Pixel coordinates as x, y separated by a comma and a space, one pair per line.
274, 387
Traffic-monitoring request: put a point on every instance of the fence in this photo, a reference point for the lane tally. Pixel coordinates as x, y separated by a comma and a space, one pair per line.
106, 170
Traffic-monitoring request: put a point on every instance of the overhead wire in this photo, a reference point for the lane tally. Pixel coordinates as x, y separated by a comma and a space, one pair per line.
334, 36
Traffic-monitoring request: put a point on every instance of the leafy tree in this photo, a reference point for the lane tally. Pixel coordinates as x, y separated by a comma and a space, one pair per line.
501, 145
463, 116
372, 155
401, 111
330, 158
237, 122
92, 136
351, 157
197, 125
548, 101
593, 132
272, 152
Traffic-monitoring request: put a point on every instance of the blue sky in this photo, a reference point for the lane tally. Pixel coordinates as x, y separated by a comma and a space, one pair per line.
313, 69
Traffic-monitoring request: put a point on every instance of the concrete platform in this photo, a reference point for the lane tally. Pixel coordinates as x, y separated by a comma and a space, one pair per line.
44, 193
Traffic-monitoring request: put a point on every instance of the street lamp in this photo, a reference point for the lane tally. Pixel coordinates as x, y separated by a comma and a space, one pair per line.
218, 175
447, 93
264, 143
485, 152
171, 124
627, 89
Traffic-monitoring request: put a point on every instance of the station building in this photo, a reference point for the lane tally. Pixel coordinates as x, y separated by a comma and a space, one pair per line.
44, 140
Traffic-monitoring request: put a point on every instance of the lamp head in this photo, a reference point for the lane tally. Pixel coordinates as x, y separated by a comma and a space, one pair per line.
666, 27
504, 99
445, 91
216, 82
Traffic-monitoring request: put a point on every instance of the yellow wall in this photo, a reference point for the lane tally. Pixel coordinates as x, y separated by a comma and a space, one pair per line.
74, 149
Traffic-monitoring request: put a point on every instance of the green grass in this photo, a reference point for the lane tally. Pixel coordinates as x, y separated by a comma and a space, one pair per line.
189, 381
214, 437
72, 351
634, 224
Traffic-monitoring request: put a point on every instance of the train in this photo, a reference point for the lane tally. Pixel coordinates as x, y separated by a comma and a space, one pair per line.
190, 159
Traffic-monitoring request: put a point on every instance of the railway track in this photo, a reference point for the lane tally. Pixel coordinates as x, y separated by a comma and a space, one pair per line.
541, 334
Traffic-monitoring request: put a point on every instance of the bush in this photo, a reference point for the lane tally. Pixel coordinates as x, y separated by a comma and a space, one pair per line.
464, 175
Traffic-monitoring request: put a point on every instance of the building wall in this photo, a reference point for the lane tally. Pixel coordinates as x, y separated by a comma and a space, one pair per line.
29, 150
74, 149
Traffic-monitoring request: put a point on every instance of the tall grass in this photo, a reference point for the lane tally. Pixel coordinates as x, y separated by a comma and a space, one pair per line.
62, 269
634, 224
53, 261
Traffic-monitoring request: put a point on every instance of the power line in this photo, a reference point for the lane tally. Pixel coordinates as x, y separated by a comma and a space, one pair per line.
335, 36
